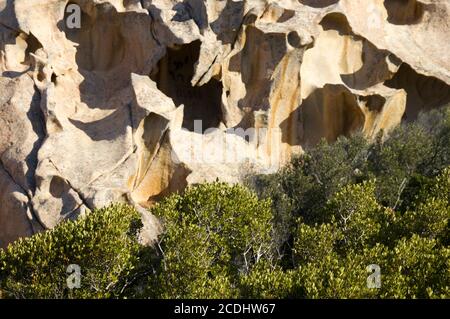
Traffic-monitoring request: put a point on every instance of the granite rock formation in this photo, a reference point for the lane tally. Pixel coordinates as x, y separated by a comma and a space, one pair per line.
144, 97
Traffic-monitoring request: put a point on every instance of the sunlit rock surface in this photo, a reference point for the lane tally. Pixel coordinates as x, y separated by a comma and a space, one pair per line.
147, 97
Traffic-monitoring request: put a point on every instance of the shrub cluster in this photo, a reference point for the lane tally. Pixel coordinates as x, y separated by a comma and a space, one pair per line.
313, 230
103, 244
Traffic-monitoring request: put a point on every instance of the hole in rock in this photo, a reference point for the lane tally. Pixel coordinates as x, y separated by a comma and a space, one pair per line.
402, 12
294, 39
41, 76
173, 77
424, 93
338, 22
58, 187
318, 3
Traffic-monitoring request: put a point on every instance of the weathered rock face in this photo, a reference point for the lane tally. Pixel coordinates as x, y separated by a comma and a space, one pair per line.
142, 98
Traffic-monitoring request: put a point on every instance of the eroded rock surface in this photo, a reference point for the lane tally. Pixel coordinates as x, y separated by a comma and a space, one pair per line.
146, 97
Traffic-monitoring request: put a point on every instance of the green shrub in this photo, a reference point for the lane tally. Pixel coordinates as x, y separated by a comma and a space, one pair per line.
309, 231
402, 165
266, 281
334, 276
430, 218
417, 268
303, 188
357, 203
412, 153
331, 258
213, 233
312, 243
103, 243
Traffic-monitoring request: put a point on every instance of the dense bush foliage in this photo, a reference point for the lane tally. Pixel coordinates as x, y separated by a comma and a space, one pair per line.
331, 257
215, 231
316, 229
343, 206
104, 244
402, 166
